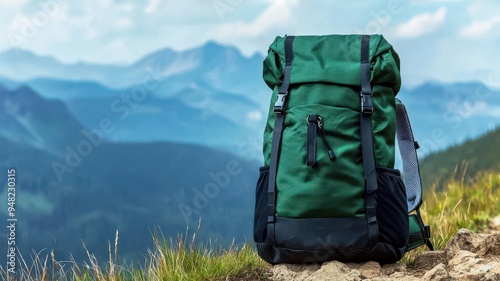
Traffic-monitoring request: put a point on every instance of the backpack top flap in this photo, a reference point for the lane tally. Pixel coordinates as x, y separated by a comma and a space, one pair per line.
333, 59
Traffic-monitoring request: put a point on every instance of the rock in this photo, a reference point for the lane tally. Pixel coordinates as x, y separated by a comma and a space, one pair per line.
464, 240
370, 270
334, 271
490, 246
429, 260
467, 257
494, 225
438, 273
388, 269
287, 272
492, 272
463, 261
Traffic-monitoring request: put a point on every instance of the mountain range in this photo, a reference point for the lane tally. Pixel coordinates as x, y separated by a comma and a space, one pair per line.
168, 139
29, 119
448, 114
213, 87
196, 96
222, 67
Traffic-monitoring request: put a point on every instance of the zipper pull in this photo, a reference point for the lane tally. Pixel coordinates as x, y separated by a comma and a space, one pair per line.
314, 126
311, 140
323, 137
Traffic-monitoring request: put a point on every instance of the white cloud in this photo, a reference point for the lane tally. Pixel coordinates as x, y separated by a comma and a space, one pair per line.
479, 10
422, 24
124, 22
105, 3
427, 2
480, 28
117, 47
13, 3
468, 109
277, 14
254, 115
126, 7
152, 6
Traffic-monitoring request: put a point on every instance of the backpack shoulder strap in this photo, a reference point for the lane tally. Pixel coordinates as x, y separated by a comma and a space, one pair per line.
419, 232
367, 142
279, 110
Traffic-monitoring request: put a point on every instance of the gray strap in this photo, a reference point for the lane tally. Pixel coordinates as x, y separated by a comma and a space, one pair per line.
408, 149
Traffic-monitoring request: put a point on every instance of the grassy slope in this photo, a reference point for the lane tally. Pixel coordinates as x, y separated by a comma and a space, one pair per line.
462, 161
179, 259
459, 205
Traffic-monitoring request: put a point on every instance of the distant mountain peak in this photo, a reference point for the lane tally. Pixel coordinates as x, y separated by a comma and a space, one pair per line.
42, 123
24, 54
163, 54
214, 45
18, 52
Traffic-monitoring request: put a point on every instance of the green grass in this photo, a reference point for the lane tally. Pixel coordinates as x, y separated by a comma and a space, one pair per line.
179, 259
459, 205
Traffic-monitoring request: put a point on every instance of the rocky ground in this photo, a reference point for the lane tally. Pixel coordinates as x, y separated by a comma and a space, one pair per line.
467, 257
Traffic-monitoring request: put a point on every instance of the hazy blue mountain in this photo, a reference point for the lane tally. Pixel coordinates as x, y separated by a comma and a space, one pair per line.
67, 89
132, 188
77, 185
30, 119
221, 83
222, 67
195, 114
448, 114
195, 94
19, 64
218, 93
158, 119
9, 83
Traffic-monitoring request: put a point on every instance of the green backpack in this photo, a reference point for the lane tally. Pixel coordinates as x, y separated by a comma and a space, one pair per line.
328, 189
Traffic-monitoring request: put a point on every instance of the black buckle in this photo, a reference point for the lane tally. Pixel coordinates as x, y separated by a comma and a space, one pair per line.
366, 104
280, 102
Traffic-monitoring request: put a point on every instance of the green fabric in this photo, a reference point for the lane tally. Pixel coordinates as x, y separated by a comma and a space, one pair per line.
415, 228
325, 80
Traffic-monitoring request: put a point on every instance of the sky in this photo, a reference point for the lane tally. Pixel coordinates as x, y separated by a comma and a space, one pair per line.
437, 40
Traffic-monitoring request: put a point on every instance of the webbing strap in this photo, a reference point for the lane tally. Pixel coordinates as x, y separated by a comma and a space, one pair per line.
279, 109
367, 142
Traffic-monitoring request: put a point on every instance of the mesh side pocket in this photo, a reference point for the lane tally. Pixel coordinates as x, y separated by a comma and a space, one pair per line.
260, 214
392, 209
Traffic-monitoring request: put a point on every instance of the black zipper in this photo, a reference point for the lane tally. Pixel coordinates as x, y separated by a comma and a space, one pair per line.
314, 127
